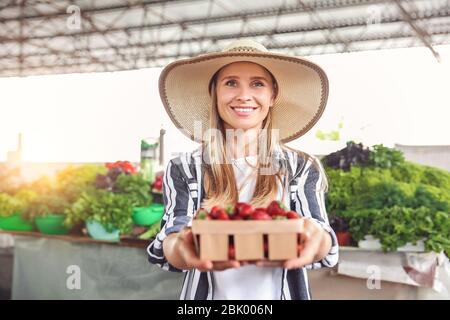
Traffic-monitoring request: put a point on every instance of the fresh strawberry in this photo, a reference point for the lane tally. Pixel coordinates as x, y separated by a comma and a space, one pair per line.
231, 253
243, 209
219, 213
230, 211
214, 213
202, 214
260, 214
276, 208
222, 215
292, 215
158, 184
236, 217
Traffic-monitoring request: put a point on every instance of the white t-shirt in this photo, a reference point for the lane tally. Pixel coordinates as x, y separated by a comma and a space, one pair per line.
248, 282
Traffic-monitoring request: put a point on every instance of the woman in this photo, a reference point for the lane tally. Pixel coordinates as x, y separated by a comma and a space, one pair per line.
243, 104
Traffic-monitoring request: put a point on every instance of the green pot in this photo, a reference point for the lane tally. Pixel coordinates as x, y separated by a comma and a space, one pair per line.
146, 216
51, 224
97, 231
15, 222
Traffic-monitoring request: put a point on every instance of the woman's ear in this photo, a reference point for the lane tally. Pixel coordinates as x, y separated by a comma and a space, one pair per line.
272, 100
274, 95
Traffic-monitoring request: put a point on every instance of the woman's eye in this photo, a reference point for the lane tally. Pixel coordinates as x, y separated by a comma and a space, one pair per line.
230, 83
259, 84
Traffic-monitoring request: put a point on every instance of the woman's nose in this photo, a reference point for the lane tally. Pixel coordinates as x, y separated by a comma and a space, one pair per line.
244, 94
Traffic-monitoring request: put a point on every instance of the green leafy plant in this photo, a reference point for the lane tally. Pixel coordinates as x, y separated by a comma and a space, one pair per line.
392, 199
407, 172
136, 188
43, 205
384, 157
73, 180
10, 180
436, 177
431, 197
9, 205
112, 210
396, 226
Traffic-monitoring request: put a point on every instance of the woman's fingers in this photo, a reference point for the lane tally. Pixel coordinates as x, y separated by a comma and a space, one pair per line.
190, 253
309, 245
267, 263
194, 261
223, 265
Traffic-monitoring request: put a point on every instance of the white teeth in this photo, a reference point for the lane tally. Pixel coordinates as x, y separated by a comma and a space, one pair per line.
244, 109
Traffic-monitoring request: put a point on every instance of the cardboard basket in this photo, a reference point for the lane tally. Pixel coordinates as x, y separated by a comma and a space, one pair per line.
213, 237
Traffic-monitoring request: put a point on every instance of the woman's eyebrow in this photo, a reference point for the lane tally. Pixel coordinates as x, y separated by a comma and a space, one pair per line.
251, 78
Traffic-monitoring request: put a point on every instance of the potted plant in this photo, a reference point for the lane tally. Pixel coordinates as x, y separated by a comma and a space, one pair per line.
157, 188
107, 215
137, 190
340, 226
47, 211
11, 216
145, 213
73, 180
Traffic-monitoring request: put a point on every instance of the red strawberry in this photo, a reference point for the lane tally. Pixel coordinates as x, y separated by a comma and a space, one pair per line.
243, 209
292, 215
158, 184
260, 214
230, 211
214, 213
276, 208
202, 214
236, 217
219, 213
299, 249
222, 215
231, 252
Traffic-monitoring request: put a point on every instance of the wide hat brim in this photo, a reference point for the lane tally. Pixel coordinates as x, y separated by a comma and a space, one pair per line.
302, 91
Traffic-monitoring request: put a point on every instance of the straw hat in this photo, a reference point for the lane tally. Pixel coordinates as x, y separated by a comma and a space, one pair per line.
302, 88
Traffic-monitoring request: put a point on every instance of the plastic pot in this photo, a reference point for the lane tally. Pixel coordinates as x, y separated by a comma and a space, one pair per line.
97, 231
51, 224
343, 238
146, 216
15, 222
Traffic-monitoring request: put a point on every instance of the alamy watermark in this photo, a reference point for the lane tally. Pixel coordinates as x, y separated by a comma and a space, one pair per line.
73, 22
373, 21
73, 281
237, 143
374, 279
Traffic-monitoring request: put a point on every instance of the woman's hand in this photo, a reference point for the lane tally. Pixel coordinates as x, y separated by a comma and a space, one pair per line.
187, 258
315, 245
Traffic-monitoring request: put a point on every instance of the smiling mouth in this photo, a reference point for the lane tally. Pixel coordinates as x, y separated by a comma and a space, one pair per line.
244, 110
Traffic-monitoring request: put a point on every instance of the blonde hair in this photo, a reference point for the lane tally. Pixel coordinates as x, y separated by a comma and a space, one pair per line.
219, 180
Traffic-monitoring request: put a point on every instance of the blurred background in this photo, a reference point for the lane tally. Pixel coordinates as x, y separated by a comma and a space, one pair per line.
84, 138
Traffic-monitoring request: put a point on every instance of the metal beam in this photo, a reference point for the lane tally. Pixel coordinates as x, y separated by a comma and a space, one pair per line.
94, 10
299, 44
422, 34
268, 12
343, 24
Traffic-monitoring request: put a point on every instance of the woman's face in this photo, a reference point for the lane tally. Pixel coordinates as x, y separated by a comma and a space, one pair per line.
244, 95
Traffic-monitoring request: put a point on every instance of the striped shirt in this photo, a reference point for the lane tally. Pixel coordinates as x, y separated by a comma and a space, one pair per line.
183, 193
